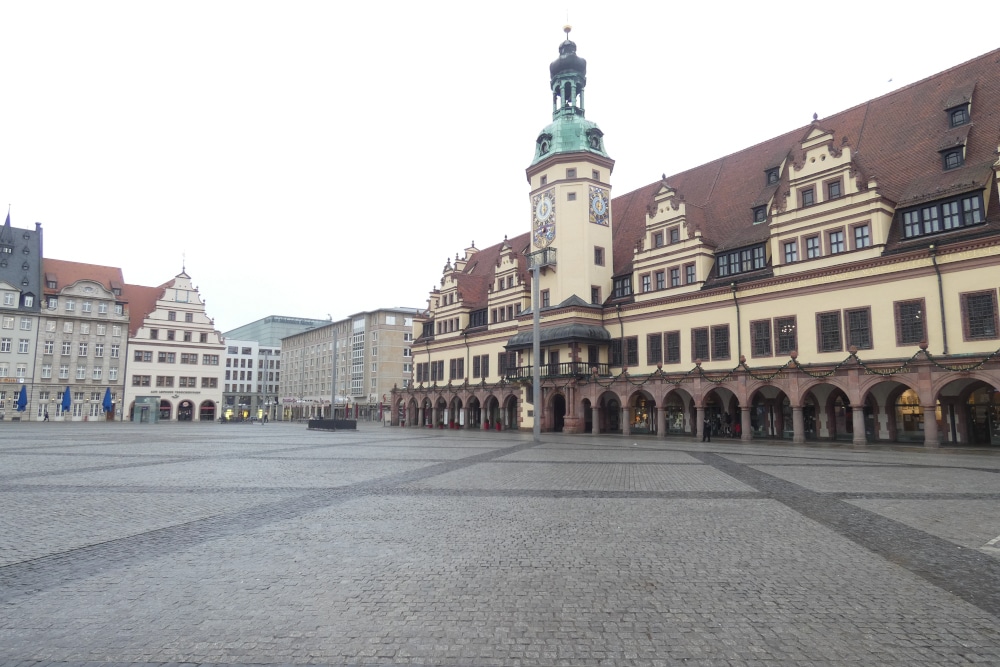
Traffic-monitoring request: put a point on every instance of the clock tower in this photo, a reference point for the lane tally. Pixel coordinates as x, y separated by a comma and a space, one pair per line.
570, 181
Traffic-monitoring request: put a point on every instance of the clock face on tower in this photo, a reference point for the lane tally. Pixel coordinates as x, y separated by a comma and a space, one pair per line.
543, 218
598, 206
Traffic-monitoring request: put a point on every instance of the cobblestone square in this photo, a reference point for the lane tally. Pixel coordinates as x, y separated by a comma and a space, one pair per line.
234, 544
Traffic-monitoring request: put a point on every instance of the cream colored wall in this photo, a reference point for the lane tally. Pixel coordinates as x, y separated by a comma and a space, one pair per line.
575, 236
876, 288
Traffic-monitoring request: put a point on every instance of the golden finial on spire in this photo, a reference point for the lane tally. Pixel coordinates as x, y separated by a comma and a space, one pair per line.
566, 29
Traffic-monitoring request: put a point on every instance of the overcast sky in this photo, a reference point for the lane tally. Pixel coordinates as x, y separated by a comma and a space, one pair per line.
315, 158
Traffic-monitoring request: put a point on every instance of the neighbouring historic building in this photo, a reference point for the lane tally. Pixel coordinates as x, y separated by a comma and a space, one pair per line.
374, 355
839, 281
20, 299
82, 340
175, 354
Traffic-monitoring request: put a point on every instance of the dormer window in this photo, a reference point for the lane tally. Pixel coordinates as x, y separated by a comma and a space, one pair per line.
953, 158
950, 214
958, 115
759, 214
771, 176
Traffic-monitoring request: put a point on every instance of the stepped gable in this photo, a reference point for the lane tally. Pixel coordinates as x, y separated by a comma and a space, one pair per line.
895, 139
479, 274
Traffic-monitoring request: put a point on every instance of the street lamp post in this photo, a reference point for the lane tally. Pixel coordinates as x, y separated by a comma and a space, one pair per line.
537, 260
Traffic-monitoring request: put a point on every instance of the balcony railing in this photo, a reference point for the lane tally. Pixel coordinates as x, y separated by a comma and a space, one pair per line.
568, 369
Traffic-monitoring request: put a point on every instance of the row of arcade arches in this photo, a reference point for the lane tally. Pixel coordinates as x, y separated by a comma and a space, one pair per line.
958, 409
183, 410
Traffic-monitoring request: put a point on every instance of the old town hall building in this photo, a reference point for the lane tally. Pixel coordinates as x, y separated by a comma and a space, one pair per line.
836, 282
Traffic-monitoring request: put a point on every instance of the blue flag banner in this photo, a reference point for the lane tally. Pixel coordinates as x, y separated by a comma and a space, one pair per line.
67, 400
22, 399
108, 405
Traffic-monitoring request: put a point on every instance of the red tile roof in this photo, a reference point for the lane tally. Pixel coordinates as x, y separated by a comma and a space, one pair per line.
894, 139
142, 301
66, 273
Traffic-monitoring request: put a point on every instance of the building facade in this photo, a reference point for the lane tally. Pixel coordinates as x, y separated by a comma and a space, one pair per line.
838, 282
20, 295
374, 355
82, 342
175, 353
253, 365
251, 381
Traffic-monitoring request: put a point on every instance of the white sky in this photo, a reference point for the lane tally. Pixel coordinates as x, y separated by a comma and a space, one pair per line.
314, 158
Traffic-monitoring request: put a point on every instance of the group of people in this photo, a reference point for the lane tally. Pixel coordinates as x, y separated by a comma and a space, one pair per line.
724, 425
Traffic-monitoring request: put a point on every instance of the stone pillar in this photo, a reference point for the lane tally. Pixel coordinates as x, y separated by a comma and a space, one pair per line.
930, 426
745, 426
595, 417
700, 426
798, 425
626, 426
661, 422
420, 416
858, 424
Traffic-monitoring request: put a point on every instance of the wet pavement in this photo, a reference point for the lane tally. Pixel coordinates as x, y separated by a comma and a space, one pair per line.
225, 544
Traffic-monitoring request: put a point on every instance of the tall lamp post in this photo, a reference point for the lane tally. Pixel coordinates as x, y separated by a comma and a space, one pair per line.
537, 260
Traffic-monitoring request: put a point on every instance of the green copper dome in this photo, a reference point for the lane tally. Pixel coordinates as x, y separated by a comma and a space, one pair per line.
570, 131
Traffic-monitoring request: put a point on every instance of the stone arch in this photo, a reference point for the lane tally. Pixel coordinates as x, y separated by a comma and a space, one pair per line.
641, 415
587, 410
207, 411
491, 411
455, 417
609, 412
473, 411
509, 410
679, 410
555, 412
770, 412
837, 421
970, 407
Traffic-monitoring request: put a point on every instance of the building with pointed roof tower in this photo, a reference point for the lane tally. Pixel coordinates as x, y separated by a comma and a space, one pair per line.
20, 292
837, 282
175, 354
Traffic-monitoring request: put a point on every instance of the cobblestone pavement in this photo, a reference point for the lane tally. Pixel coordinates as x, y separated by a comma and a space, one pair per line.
233, 544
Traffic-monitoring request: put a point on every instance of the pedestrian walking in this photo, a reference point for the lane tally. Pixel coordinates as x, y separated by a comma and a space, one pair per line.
46, 416
706, 434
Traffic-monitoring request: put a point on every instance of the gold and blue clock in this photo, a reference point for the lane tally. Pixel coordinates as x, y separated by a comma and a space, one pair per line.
599, 206
543, 218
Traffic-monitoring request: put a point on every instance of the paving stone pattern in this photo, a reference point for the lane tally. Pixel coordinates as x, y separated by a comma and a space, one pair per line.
225, 544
